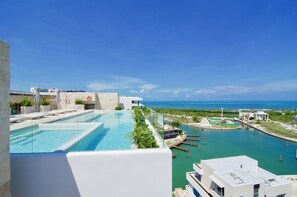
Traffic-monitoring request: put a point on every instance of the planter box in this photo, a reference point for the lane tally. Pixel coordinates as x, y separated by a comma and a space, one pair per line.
45, 108
80, 107
27, 109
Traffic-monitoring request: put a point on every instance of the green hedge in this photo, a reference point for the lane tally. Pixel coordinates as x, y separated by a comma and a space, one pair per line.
141, 134
197, 112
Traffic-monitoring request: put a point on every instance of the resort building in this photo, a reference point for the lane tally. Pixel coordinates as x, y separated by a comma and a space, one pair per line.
246, 114
71, 152
128, 103
234, 176
261, 115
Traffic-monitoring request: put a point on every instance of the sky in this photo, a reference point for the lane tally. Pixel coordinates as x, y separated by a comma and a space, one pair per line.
158, 50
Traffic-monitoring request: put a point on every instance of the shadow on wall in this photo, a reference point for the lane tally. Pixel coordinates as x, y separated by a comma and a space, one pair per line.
98, 103
59, 170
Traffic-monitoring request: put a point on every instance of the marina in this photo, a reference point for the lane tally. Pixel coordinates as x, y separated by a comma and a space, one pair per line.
245, 141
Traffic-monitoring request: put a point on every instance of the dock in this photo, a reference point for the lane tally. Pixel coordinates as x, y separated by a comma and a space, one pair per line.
180, 148
192, 139
188, 143
193, 135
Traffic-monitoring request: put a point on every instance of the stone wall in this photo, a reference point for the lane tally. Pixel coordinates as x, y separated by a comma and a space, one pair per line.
107, 101
4, 120
102, 101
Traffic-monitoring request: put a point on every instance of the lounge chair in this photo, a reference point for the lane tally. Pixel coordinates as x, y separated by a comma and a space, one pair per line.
16, 118
34, 115
55, 112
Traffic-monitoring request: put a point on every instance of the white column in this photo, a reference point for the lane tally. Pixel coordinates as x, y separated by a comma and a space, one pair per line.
4, 120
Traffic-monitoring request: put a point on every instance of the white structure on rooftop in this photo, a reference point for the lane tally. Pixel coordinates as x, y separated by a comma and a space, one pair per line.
234, 176
128, 103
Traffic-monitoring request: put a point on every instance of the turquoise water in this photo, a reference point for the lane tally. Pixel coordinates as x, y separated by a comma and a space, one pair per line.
231, 105
115, 134
262, 147
34, 140
86, 117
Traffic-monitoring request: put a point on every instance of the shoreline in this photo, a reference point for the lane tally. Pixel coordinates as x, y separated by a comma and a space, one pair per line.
269, 133
209, 128
263, 130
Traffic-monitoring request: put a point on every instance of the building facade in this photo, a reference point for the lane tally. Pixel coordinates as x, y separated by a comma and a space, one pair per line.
128, 103
237, 176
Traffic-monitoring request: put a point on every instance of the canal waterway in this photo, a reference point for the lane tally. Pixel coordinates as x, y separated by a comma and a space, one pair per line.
246, 141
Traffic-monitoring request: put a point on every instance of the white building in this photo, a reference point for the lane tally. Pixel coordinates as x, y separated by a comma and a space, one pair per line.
261, 115
128, 103
237, 176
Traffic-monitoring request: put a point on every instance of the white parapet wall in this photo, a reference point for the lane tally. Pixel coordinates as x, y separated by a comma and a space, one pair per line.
133, 173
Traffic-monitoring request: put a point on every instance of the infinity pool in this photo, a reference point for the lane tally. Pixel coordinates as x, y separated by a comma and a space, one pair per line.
113, 135
34, 139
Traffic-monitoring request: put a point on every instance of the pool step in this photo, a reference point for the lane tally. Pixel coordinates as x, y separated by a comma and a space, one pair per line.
20, 139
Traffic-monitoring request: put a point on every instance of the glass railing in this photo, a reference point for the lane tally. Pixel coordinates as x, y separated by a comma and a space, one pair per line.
42, 133
156, 120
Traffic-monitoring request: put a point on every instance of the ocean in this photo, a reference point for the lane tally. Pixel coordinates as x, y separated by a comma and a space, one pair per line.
228, 105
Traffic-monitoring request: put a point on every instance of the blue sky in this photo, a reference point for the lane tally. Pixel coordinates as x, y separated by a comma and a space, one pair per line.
159, 50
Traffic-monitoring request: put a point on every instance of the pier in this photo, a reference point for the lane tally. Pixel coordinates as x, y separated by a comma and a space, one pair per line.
193, 135
180, 148
192, 139
190, 144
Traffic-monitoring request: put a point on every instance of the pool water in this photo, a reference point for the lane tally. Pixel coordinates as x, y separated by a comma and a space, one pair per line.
262, 147
34, 139
115, 134
86, 117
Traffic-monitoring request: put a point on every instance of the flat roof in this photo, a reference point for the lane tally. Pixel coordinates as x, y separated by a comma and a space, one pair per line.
241, 170
238, 177
229, 163
270, 179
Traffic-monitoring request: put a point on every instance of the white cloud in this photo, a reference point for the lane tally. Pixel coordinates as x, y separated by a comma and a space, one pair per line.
102, 86
275, 87
133, 91
148, 86
175, 90
121, 82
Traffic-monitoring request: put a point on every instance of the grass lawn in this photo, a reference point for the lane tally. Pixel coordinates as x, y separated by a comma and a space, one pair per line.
277, 129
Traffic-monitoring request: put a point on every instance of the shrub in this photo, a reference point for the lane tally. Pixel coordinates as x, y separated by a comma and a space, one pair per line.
141, 134
175, 124
118, 108
195, 118
11, 104
80, 102
26, 102
44, 102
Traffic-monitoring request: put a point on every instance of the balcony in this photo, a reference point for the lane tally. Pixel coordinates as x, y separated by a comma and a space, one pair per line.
198, 168
197, 184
